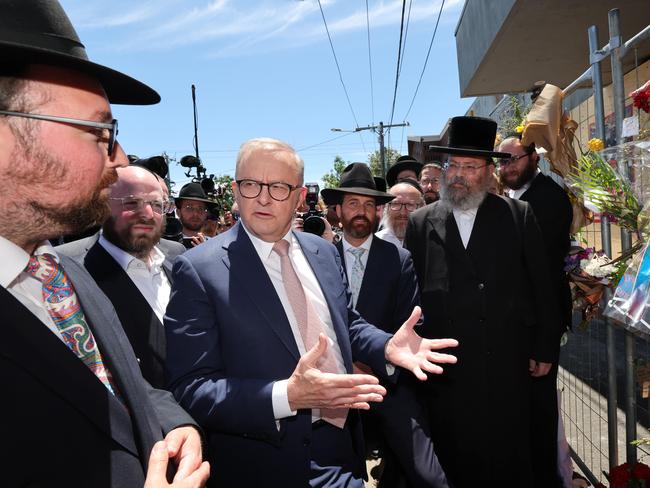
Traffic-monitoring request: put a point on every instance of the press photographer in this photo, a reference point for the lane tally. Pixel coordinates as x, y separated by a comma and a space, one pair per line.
312, 219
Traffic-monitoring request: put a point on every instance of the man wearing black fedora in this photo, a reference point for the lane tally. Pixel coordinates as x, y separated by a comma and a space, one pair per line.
403, 167
385, 291
484, 281
192, 207
72, 388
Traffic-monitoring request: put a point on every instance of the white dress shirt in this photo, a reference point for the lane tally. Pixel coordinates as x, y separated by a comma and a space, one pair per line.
22, 285
149, 277
387, 234
516, 194
349, 257
465, 222
272, 265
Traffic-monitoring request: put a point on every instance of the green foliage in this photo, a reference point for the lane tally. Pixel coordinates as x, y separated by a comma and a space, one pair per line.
374, 160
224, 182
515, 118
333, 178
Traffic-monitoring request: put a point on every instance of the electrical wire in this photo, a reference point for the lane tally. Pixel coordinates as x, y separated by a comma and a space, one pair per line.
426, 60
325, 142
397, 69
338, 67
406, 34
372, 90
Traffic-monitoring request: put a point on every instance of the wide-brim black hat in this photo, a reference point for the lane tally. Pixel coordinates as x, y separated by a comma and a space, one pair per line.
155, 164
402, 163
40, 32
193, 191
356, 178
471, 136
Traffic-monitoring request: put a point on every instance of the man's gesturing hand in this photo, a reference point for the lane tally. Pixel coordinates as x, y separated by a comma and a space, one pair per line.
412, 352
308, 387
157, 471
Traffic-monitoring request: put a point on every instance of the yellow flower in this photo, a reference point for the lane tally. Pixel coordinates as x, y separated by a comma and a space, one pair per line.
595, 145
519, 129
497, 140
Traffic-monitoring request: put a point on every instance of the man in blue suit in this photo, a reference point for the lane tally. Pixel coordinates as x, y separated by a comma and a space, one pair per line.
276, 398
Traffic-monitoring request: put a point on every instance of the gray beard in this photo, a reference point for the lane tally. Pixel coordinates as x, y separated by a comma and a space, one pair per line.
455, 200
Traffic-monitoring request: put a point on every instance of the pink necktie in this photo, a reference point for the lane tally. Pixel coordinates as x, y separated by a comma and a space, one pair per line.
309, 325
63, 306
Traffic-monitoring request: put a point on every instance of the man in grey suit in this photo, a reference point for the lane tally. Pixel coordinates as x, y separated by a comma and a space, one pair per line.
76, 410
132, 264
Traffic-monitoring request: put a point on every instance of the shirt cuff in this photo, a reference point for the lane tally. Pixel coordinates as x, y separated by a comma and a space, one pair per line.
390, 369
280, 399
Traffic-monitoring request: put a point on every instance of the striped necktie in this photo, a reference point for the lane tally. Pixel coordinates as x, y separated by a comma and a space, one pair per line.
356, 276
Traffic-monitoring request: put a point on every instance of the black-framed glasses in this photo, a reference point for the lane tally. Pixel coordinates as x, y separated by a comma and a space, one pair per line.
512, 159
135, 204
278, 190
397, 206
470, 168
111, 127
429, 181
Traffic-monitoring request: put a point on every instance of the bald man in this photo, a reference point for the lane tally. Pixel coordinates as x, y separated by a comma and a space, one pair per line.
132, 264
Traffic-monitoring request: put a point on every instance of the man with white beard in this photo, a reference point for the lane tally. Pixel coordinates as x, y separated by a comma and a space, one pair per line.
484, 281
408, 198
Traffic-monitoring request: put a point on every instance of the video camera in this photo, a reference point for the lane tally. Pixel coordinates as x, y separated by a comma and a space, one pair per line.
312, 219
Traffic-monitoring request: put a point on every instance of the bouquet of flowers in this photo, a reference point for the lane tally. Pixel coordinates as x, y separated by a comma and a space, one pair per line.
628, 476
590, 272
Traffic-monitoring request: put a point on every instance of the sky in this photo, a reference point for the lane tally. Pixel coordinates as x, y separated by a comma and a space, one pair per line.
265, 68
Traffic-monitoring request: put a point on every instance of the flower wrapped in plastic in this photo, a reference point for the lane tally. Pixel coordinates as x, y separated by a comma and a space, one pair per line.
628, 476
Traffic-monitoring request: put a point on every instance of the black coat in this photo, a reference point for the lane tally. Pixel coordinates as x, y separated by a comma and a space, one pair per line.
61, 426
494, 298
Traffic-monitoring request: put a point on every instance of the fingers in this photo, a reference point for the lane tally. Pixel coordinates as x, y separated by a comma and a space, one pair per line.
311, 357
435, 344
437, 357
413, 319
532, 365
156, 472
197, 479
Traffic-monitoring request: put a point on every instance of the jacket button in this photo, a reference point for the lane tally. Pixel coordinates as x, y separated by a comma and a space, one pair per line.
481, 286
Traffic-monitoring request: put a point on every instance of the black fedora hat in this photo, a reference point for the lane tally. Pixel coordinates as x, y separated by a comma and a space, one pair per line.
380, 183
471, 136
193, 191
356, 178
40, 32
155, 164
402, 163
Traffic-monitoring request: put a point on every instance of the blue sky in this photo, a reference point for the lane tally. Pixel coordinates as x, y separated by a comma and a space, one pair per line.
264, 68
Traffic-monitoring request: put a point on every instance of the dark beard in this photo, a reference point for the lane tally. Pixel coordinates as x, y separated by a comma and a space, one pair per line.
456, 199
139, 246
356, 232
526, 175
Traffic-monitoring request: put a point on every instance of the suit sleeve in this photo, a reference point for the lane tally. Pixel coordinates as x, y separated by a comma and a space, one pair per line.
197, 374
546, 347
408, 293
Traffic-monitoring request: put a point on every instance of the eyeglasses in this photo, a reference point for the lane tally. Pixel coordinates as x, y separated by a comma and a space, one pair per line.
512, 159
133, 204
112, 127
397, 206
193, 209
278, 190
470, 168
429, 181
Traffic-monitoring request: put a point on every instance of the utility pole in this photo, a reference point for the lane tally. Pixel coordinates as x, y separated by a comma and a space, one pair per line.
379, 130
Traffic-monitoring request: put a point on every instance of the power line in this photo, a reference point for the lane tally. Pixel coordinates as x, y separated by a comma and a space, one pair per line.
399, 57
338, 67
406, 34
435, 29
325, 142
372, 91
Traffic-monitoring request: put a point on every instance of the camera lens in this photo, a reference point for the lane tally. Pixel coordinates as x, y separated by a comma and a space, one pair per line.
314, 225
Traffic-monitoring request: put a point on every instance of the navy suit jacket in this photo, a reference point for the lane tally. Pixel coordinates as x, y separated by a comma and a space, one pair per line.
55, 410
229, 340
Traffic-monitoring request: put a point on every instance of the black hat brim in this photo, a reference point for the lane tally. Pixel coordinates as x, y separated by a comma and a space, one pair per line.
468, 152
198, 199
120, 89
336, 194
398, 167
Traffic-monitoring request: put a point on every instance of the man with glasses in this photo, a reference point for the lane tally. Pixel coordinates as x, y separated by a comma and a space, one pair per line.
553, 211
384, 291
72, 388
408, 197
430, 181
192, 209
485, 281
132, 265
261, 336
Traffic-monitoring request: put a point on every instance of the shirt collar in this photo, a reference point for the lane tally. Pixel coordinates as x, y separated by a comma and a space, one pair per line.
365, 245
471, 212
263, 248
16, 259
520, 191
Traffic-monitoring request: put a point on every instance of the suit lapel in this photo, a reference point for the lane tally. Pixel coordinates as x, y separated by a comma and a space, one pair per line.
444, 225
538, 180
329, 278
28, 342
246, 267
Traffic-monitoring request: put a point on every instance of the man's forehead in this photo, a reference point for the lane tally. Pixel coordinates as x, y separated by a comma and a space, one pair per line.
358, 197
466, 159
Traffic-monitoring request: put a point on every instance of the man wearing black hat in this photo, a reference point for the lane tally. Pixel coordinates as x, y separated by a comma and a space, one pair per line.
192, 207
385, 291
404, 167
484, 278
72, 389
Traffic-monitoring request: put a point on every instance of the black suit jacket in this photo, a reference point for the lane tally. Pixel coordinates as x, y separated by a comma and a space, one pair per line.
142, 326
61, 425
554, 214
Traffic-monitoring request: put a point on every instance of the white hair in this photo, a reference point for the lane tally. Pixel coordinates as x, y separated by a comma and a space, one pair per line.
268, 144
